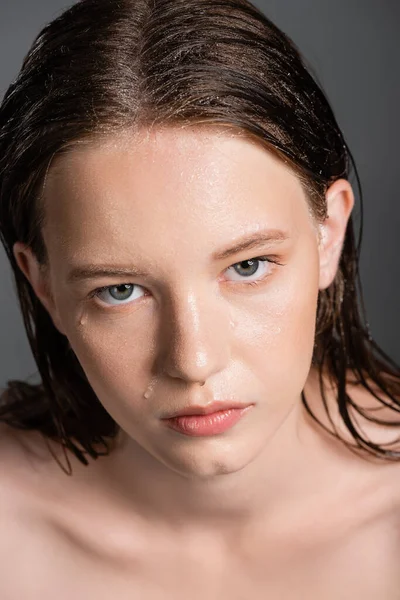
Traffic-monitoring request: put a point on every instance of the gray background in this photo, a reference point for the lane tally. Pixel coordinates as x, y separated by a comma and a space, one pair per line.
353, 47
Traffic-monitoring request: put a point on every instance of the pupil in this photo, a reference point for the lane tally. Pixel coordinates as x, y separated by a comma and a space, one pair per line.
124, 289
252, 263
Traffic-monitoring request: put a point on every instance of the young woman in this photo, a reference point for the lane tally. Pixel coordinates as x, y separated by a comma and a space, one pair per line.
214, 420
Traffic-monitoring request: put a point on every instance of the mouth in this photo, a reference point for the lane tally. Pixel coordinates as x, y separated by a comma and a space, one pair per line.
209, 409
209, 424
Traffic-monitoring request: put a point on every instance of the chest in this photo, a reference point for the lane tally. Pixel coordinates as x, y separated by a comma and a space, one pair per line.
361, 565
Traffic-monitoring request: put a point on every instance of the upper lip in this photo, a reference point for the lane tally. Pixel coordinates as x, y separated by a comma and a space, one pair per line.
206, 410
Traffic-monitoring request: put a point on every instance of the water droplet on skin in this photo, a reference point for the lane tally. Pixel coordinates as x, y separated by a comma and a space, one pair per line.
150, 388
83, 319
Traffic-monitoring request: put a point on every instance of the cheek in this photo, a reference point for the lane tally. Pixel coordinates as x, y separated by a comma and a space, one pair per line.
277, 336
116, 356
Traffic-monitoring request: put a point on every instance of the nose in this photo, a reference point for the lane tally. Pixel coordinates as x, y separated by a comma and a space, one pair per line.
195, 337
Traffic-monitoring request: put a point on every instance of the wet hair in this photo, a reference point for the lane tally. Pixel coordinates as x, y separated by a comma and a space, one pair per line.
107, 66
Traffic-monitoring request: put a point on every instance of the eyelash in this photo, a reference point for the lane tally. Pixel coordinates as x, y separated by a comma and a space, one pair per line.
269, 259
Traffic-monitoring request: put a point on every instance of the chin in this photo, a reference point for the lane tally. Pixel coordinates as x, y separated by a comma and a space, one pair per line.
208, 458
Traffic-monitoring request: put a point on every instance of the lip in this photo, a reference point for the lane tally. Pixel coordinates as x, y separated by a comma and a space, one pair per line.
207, 425
208, 409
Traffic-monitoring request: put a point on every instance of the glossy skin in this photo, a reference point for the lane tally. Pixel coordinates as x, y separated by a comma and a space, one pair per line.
192, 329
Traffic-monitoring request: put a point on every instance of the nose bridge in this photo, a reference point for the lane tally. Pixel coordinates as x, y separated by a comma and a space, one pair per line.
195, 335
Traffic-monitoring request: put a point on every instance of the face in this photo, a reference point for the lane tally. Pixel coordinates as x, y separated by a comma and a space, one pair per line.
152, 282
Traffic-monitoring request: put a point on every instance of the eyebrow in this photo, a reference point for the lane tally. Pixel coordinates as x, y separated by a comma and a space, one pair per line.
249, 242
253, 240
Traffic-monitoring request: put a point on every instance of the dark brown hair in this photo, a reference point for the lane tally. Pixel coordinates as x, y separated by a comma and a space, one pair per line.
105, 66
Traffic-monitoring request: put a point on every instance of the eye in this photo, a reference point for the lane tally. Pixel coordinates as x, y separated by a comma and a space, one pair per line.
250, 267
126, 293
118, 294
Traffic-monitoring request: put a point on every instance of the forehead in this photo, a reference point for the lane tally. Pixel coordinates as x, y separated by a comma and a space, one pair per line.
160, 184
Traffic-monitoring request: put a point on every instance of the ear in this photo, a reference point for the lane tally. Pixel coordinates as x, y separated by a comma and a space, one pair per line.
340, 202
38, 277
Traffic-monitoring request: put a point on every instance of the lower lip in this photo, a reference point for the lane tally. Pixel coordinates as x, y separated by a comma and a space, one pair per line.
212, 424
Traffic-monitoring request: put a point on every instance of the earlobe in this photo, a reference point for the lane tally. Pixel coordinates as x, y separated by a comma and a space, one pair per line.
38, 279
340, 202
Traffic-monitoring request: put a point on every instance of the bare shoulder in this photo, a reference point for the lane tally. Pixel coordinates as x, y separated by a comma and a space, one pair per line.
24, 459
14, 464
32, 485
59, 535
37, 550
25, 478
376, 417
23, 532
